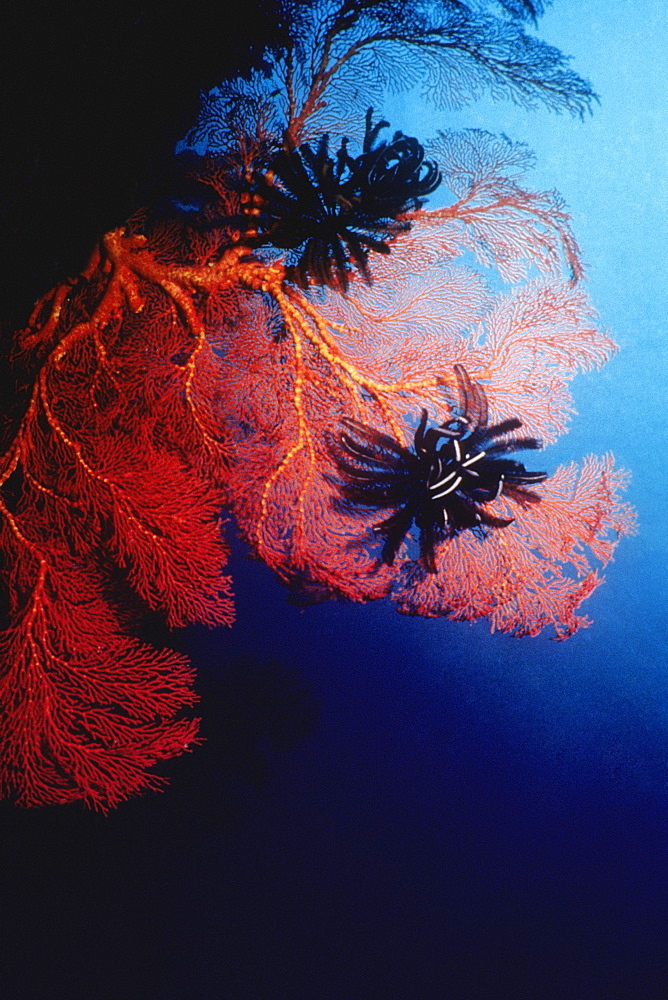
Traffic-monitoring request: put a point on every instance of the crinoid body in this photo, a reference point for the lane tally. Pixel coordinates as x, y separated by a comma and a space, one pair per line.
333, 211
444, 484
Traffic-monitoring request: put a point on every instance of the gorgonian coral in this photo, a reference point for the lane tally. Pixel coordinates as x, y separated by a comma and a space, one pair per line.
193, 367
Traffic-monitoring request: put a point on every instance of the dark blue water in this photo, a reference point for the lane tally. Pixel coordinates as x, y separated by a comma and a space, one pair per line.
400, 808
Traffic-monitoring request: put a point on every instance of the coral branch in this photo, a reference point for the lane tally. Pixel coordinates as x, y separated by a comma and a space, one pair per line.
93, 476
86, 711
536, 572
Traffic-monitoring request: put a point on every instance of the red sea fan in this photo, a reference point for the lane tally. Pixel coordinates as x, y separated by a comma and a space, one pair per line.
185, 372
86, 710
380, 355
90, 481
537, 571
282, 425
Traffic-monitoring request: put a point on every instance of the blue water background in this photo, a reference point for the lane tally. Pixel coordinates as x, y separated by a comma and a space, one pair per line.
434, 812
476, 815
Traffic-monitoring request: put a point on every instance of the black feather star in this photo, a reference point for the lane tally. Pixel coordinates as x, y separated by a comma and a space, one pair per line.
444, 483
333, 211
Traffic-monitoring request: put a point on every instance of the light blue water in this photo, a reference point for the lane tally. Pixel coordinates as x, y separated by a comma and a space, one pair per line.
612, 169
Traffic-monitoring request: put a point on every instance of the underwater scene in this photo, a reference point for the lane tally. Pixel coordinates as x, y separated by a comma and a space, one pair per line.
333, 650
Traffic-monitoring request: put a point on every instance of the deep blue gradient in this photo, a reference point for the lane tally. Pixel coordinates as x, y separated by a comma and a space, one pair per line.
409, 808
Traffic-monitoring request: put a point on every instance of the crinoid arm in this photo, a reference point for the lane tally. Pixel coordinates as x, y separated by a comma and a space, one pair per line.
334, 210
444, 484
